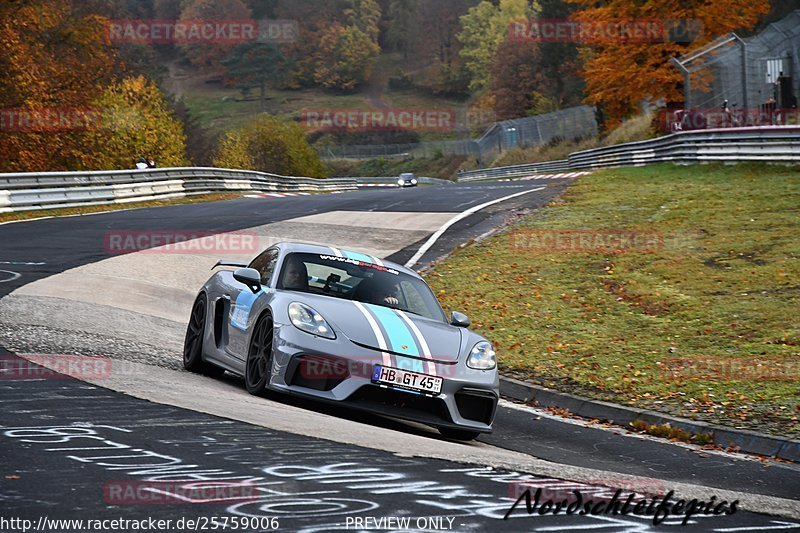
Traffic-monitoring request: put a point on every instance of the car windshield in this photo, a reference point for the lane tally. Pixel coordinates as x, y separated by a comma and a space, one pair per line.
351, 279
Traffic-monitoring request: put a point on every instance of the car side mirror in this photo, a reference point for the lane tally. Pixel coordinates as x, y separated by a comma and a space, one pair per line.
459, 320
250, 277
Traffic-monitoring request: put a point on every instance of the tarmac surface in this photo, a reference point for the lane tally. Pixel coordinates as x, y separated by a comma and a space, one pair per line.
67, 291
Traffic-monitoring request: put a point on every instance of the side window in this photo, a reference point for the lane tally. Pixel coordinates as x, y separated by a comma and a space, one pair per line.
265, 264
413, 300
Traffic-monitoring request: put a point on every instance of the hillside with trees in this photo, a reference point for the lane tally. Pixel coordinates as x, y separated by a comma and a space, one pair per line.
186, 100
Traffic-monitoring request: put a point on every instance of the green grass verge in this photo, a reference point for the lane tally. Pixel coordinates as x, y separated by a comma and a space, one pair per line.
706, 325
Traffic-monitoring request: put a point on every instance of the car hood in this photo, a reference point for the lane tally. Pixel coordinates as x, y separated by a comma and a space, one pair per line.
384, 329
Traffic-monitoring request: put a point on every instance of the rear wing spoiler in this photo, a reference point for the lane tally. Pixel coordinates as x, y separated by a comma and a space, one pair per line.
235, 264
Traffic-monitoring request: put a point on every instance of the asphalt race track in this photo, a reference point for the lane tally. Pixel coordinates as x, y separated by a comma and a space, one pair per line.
315, 468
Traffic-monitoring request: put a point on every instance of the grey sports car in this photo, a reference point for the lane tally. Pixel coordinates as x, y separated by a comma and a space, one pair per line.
344, 327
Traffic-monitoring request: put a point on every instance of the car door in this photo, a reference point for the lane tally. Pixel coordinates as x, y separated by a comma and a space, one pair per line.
242, 302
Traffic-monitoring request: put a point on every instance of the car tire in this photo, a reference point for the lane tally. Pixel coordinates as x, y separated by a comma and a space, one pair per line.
193, 343
259, 356
459, 434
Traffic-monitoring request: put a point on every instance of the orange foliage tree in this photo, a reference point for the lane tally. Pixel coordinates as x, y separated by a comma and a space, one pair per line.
54, 62
208, 55
338, 42
135, 122
620, 74
514, 79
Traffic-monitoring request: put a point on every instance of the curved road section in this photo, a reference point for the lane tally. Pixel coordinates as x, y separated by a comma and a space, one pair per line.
116, 285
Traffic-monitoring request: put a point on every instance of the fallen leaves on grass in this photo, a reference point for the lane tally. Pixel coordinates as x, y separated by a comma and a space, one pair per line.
667, 431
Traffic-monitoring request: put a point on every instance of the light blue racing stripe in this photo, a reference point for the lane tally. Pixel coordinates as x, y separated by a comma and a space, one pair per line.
399, 336
240, 314
359, 257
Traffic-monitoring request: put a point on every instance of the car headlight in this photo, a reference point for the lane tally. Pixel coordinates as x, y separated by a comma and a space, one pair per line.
400, 182
482, 357
413, 182
306, 319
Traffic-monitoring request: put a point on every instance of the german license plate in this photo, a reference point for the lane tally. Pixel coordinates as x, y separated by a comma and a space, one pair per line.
405, 379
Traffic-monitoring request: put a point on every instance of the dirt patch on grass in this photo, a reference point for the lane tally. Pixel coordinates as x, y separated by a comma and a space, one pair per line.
619, 290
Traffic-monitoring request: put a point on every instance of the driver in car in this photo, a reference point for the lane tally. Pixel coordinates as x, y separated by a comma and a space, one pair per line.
374, 292
295, 277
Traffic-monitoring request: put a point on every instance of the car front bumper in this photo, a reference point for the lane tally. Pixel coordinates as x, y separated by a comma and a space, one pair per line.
340, 371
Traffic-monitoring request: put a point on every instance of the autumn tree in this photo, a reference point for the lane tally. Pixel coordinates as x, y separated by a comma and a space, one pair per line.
136, 122
338, 42
401, 24
116, 9
619, 74
208, 55
348, 51
263, 9
485, 27
136, 58
364, 15
345, 58
268, 144
559, 62
53, 59
314, 17
257, 65
167, 9
517, 83
436, 45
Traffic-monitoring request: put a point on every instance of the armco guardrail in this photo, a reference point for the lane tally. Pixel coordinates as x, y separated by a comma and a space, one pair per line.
513, 171
770, 144
31, 191
114, 177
